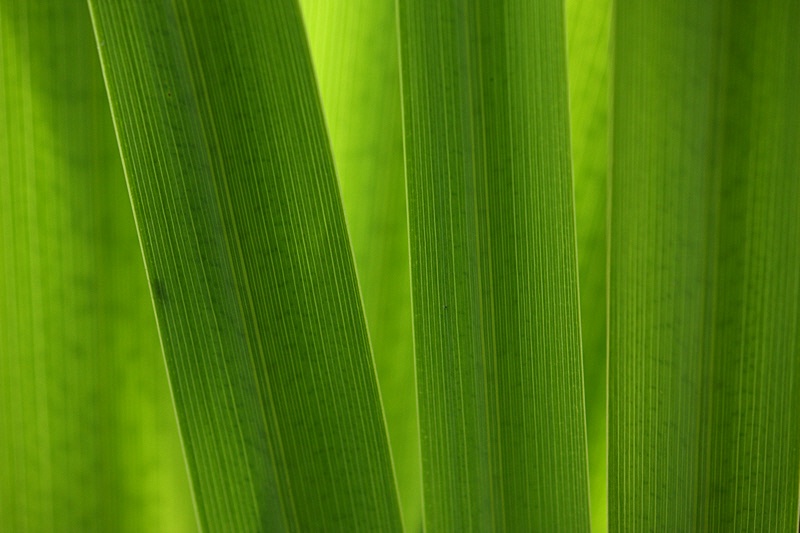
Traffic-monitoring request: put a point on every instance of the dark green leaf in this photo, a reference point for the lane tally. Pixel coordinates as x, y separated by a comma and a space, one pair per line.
243, 234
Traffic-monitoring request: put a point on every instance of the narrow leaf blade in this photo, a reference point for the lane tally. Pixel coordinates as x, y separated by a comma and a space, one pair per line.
354, 46
88, 439
588, 23
243, 235
705, 280
494, 273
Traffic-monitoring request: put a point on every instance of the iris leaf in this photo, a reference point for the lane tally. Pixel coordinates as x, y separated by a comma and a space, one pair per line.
244, 239
88, 439
705, 267
493, 263
354, 47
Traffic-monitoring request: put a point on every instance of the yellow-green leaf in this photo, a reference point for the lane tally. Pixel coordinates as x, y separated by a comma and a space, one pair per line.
354, 46
88, 439
588, 24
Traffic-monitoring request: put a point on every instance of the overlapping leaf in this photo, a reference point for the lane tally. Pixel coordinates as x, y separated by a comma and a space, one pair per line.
588, 24
354, 46
243, 234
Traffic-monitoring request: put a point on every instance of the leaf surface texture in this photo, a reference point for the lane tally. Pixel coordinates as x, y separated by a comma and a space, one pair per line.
493, 264
88, 439
243, 234
705, 267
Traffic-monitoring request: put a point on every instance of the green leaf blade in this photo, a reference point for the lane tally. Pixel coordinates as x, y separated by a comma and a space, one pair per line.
243, 235
354, 46
494, 274
588, 25
704, 281
88, 434
755, 340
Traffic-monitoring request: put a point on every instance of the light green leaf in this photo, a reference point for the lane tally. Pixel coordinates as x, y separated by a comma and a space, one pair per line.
588, 24
705, 267
88, 440
494, 273
354, 46
243, 234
